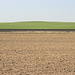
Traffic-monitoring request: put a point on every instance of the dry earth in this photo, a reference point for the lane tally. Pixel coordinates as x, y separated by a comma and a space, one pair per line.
37, 53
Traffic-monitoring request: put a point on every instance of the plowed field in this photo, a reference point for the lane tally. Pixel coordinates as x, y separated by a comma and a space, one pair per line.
37, 53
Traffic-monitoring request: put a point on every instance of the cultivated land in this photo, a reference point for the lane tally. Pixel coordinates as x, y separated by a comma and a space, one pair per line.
37, 53
38, 25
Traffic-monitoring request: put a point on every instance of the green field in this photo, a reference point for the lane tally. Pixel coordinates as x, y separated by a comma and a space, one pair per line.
38, 25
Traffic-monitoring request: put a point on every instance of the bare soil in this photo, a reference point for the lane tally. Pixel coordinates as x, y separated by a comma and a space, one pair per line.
46, 53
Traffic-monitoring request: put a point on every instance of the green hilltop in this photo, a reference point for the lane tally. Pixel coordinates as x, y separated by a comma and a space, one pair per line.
38, 25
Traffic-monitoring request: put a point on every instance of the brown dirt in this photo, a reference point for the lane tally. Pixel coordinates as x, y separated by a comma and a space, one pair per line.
37, 53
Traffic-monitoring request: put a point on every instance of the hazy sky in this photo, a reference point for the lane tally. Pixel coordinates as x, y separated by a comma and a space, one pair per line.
39, 10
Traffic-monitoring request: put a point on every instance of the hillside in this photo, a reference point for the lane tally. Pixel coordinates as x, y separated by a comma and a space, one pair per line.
38, 25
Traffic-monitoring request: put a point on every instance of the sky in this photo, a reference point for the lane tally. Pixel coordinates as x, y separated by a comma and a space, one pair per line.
37, 10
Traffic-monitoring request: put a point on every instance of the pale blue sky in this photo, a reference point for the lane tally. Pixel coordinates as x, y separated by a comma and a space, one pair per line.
37, 10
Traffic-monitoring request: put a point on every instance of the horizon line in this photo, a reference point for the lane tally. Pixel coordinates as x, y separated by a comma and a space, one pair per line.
33, 21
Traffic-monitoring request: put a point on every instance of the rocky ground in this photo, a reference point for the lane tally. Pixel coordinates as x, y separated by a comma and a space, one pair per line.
37, 53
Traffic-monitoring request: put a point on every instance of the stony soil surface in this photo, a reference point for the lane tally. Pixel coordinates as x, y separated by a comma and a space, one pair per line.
37, 53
